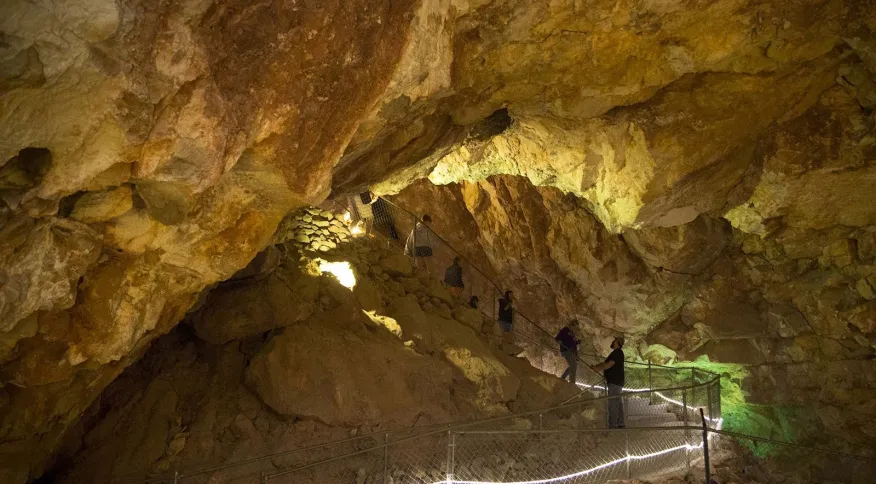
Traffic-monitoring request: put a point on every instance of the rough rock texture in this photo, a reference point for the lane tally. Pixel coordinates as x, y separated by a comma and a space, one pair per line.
214, 118
190, 403
150, 150
791, 312
316, 355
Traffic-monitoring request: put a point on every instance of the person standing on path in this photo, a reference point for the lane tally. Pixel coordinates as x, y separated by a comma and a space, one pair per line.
380, 214
506, 312
569, 350
613, 370
453, 278
419, 243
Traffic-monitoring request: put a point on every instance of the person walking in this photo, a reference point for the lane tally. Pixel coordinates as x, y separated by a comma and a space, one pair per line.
453, 278
613, 370
569, 350
419, 243
381, 214
506, 312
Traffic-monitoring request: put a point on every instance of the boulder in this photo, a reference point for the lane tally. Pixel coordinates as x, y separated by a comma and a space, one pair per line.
865, 289
438, 291
406, 310
462, 347
395, 288
307, 372
94, 207
238, 310
469, 317
367, 294
411, 285
397, 265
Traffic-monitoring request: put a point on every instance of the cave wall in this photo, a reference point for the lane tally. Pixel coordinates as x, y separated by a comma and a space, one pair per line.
149, 150
290, 358
777, 278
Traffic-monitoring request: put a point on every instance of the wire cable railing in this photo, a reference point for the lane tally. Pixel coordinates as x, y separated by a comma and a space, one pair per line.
404, 231
568, 442
536, 446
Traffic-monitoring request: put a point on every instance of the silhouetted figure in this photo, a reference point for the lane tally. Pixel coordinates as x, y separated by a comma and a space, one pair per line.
419, 243
382, 216
613, 370
506, 312
569, 350
453, 278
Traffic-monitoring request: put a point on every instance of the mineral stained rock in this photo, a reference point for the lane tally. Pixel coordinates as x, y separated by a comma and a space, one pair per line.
335, 373
149, 151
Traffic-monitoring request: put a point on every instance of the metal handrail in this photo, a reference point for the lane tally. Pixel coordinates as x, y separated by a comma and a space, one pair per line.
485, 277
437, 428
451, 428
451, 425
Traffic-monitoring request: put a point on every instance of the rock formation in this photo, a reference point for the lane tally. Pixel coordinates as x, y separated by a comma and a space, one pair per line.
651, 167
293, 358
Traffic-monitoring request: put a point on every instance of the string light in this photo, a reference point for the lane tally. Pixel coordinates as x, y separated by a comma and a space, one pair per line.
685, 447
664, 397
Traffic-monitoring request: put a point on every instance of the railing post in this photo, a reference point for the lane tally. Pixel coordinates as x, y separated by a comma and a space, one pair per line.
718, 403
706, 448
414, 242
627, 450
386, 459
175, 477
650, 385
686, 430
540, 426
709, 402
451, 455
693, 389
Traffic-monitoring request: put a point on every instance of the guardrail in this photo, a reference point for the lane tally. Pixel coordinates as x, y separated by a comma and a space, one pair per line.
465, 452
564, 443
396, 225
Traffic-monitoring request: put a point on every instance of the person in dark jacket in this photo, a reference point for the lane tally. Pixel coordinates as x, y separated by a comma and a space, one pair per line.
473, 302
506, 312
453, 278
613, 370
569, 350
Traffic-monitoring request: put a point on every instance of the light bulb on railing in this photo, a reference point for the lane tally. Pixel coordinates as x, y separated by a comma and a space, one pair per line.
347, 217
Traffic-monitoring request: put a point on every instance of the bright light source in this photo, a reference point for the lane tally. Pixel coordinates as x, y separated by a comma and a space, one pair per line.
342, 271
347, 217
356, 230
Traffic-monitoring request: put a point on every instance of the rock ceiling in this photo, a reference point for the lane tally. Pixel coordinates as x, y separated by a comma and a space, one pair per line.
150, 149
